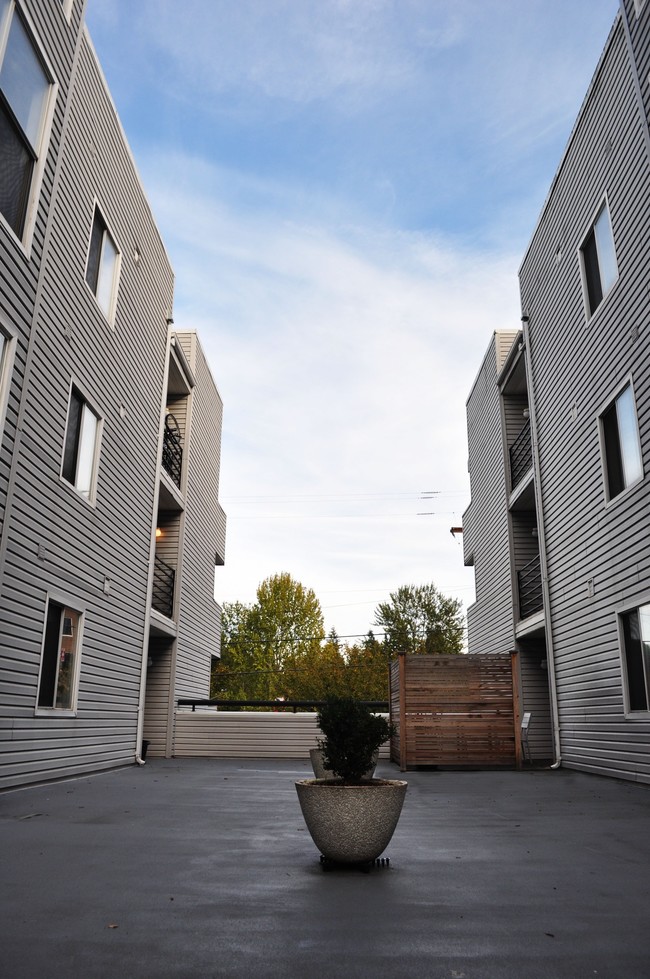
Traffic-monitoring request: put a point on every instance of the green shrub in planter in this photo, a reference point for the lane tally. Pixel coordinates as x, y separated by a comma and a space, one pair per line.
351, 736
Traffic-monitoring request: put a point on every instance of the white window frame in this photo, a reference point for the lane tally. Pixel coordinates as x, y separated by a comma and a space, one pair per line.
7, 355
621, 610
91, 495
638, 6
109, 314
65, 602
25, 240
66, 6
606, 406
602, 205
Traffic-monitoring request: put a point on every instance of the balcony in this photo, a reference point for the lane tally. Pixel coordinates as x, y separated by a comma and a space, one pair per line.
521, 455
529, 580
172, 454
162, 595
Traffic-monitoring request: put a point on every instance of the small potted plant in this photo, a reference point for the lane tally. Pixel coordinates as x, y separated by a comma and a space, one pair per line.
351, 817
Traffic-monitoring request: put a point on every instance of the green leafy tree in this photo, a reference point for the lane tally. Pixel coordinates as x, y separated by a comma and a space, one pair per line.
240, 673
319, 672
367, 670
264, 642
419, 619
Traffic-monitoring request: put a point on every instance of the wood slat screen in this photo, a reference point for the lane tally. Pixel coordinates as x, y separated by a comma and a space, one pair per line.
455, 711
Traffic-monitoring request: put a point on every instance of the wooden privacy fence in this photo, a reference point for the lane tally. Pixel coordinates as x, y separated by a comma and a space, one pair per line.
455, 711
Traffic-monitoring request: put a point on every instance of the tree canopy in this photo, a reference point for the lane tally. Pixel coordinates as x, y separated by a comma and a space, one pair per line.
420, 619
263, 643
276, 647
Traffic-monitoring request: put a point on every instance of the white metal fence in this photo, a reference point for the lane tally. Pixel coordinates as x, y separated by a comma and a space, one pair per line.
246, 734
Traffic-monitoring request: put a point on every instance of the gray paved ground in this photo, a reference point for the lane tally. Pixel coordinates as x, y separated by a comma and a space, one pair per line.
202, 868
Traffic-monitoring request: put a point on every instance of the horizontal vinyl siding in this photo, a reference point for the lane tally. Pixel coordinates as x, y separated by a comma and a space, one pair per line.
525, 544
503, 341
485, 523
97, 555
178, 408
157, 709
18, 272
244, 734
203, 539
575, 362
640, 36
536, 699
167, 544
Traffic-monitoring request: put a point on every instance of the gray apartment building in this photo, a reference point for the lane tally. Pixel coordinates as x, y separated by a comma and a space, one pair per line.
559, 440
110, 426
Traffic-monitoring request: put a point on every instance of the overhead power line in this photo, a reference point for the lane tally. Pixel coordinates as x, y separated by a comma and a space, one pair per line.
346, 497
281, 639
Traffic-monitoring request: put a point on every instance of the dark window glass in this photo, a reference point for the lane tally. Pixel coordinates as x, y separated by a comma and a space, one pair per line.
24, 88
94, 254
60, 651
592, 273
16, 168
636, 681
49, 669
623, 464
613, 458
23, 81
71, 450
599, 260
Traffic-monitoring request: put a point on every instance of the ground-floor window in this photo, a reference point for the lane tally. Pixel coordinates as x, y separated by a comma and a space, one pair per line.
57, 687
636, 642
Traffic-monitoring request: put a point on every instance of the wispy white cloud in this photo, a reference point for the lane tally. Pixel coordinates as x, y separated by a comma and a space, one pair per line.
298, 51
423, 113
344, 356
290, 148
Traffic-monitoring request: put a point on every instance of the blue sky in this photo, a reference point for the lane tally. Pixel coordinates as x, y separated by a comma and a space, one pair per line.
346, 189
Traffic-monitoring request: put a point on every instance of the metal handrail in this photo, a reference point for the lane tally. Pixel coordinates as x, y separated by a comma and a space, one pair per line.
531, 598
521, 455
172, 453
379, 706
162, 594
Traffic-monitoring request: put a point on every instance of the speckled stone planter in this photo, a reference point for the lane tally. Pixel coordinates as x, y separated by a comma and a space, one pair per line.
316, 757
351, 823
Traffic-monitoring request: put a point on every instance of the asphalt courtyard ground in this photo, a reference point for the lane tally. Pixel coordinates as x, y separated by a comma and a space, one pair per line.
204, 868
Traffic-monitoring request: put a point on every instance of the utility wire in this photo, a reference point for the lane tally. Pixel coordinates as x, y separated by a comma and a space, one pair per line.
272, 639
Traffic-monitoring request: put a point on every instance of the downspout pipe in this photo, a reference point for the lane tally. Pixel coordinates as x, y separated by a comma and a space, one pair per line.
550, 653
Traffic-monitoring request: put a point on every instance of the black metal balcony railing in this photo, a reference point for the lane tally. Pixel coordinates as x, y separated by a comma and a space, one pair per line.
172, 454
162, 595
521, 455
531, 598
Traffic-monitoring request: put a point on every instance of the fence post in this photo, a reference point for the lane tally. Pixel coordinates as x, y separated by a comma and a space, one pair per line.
516, 706
402, 712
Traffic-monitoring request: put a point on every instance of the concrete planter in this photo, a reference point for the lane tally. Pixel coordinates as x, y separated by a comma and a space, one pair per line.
316, 756
351, 823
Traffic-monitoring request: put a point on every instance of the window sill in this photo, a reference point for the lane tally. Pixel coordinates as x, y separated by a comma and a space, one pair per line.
603, 303
609, 503
109, 320
54, 712
89, 501
26, 250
